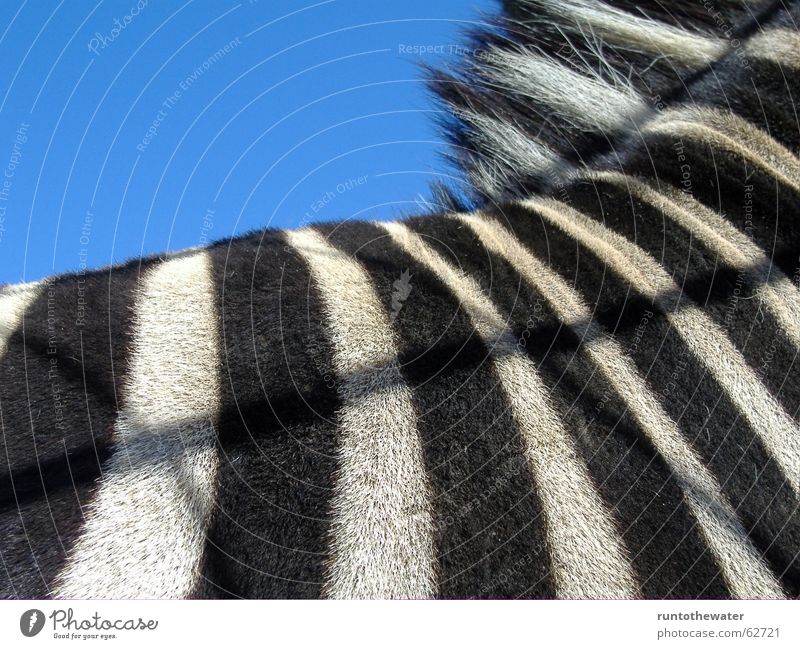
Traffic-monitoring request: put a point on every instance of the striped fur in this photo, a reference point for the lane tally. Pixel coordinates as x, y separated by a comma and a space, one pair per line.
588, 556
15, 302
382, 537
777, 292
707, 340
143, 533
738, 559
586, 385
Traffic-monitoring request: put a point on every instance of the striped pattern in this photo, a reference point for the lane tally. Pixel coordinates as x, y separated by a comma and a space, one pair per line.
567, 81
592, 104
144, 533
777, 291
589, 558
382, 529
739, 561
585, 387
729, 133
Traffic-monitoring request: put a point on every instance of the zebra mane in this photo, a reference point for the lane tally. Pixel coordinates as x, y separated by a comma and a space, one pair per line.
546, 86
591, 392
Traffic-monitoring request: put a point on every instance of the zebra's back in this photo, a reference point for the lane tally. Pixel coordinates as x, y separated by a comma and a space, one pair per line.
587, 387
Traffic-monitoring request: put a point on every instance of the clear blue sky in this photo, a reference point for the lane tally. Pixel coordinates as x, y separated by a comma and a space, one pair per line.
129, 127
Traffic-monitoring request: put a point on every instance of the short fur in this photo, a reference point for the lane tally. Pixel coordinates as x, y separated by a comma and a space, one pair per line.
585, 387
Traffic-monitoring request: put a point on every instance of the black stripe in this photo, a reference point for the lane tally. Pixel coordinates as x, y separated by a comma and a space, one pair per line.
669, 556
728, 185
278, 434
489, 525
69, 363
690, 396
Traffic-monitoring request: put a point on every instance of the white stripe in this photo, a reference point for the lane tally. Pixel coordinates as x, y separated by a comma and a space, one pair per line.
588, 555
732, 133
707, 340
736, 249
513, 151
382, 530
620, 28
740, 563
14, 301
144, 534
586, 100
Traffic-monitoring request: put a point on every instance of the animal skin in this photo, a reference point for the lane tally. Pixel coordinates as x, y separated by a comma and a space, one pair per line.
577, 379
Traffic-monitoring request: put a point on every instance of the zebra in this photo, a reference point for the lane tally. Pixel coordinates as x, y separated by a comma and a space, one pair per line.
576, 378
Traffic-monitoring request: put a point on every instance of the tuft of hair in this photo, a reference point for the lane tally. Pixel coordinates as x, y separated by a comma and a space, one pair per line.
446, 199
547, 86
